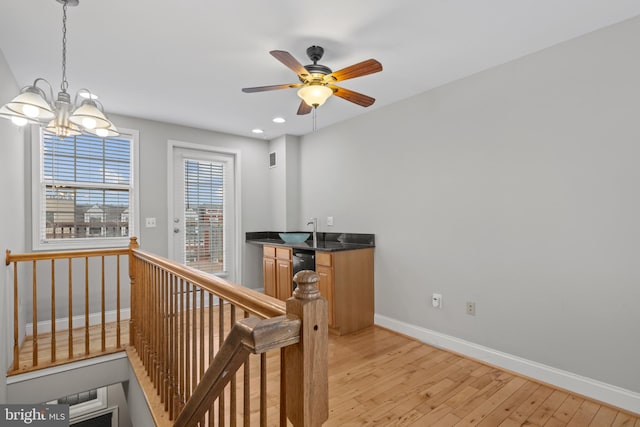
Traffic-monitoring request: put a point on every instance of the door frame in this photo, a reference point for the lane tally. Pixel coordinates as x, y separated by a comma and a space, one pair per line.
172, 145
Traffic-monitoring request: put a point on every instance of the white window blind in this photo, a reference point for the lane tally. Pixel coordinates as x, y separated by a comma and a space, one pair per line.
85, 188
204, 199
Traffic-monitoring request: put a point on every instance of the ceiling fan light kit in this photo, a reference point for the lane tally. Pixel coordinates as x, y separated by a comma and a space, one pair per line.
62, 117
317, 80
314, 95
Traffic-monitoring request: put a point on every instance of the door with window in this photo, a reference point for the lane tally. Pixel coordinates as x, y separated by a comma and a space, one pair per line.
204, 217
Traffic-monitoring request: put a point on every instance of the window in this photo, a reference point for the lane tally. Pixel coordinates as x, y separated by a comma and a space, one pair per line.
84, 191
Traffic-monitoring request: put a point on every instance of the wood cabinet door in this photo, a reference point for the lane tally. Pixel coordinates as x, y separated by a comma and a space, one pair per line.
325, 285
269, 276
284, 279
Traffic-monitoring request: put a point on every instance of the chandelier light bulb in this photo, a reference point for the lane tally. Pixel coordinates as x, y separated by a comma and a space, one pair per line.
19, 121
102, 132
89, 123
31, 111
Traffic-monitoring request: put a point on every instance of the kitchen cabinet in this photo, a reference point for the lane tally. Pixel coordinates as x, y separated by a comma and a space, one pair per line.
277, 272
346, 282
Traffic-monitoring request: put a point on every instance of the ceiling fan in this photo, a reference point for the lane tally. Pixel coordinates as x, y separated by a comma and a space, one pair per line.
317, 81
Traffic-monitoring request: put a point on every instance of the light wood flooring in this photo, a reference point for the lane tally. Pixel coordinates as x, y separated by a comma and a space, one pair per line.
380, 378
78, 349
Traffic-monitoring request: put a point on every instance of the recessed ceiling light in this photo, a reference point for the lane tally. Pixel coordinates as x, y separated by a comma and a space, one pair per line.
257, 131
279, 120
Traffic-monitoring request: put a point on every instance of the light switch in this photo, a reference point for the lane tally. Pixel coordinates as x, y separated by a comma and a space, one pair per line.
149, 222
329, 220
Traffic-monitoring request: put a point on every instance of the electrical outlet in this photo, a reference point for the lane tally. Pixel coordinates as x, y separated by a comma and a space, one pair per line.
471, 308
330, 221
436, 300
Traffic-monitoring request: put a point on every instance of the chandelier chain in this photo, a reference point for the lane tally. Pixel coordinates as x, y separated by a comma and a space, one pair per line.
64, 85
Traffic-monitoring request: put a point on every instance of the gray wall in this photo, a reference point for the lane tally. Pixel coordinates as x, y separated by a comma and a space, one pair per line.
254, 168
284, 185
516, 188
12, 212
278, 184
43, 276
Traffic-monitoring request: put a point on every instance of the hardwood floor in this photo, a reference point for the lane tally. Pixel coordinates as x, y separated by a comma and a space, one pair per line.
380, 378
78, 350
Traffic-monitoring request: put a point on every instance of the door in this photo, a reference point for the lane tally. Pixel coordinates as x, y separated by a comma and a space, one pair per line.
204, 215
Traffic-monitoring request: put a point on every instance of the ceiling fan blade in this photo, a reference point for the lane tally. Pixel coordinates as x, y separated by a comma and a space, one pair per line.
304, 108
355, 97
287, 59
272, 87
363, 68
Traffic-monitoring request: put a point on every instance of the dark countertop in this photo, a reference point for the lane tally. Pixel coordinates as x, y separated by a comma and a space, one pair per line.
327, 242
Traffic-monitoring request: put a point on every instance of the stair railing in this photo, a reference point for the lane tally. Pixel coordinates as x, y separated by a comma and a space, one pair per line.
193, 332
83, 307
213, 352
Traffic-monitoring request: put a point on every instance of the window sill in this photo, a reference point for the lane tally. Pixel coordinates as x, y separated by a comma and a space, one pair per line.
81, 244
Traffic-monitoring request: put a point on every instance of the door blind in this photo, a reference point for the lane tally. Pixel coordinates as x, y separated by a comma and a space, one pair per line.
204, 200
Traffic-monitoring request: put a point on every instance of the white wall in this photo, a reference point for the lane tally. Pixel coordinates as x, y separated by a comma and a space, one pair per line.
516, 188
254, 168
12, 212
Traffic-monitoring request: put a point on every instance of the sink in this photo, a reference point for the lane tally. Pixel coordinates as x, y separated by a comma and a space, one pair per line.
294, 237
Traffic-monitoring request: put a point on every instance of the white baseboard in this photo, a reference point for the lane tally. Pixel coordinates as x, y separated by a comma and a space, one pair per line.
78, 321
588, 387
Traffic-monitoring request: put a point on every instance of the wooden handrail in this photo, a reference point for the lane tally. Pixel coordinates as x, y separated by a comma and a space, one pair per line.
247, 299
250, 335
39, 256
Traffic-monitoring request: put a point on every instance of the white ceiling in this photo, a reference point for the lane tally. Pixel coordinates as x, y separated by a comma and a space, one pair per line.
185, 62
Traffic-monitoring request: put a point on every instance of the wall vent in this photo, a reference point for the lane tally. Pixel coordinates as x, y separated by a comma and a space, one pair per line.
272, 160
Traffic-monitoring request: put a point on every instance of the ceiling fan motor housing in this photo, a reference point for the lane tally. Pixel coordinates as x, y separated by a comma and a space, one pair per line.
315, 54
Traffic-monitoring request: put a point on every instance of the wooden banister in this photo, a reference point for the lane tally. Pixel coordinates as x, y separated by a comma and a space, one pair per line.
306, 363
189, 330
39, 256
247, 299
250, 335
43, 270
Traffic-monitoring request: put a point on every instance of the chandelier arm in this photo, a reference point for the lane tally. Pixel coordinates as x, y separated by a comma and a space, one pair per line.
92, 97
40, 79
100, 106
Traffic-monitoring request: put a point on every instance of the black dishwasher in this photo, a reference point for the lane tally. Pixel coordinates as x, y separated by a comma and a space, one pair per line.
303, 260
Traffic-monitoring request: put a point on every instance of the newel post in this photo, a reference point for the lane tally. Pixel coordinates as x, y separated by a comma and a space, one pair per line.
306, 363
133, 244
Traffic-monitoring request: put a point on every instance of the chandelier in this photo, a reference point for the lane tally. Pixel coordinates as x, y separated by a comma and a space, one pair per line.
61, 117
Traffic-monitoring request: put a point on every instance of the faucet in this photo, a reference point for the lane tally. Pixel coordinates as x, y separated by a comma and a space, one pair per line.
314, 221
